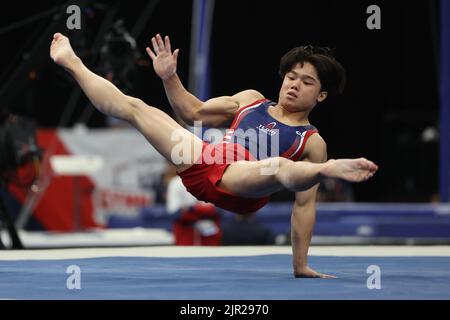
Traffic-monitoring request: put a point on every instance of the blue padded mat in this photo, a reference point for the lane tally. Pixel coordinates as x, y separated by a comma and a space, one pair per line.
267, 277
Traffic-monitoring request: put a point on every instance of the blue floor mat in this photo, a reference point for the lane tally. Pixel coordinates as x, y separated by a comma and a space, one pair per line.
228, 278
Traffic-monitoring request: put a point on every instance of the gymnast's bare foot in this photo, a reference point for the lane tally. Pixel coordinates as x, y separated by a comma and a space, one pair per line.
61, 51
353, 170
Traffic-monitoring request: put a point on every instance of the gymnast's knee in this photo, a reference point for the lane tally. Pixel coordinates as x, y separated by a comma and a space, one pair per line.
139, 109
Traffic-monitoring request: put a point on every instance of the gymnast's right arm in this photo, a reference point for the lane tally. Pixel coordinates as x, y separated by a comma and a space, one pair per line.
106, 97
215, 112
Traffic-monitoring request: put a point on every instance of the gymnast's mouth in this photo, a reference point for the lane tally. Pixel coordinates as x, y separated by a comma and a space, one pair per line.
292, 94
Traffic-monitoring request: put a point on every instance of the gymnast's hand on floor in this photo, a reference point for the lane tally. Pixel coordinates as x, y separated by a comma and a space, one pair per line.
164, 61
307, 272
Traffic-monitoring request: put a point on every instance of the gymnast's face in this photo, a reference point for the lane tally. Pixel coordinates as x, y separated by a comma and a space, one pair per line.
301, 88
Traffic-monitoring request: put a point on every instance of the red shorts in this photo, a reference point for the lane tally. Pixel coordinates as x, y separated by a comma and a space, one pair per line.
202, 179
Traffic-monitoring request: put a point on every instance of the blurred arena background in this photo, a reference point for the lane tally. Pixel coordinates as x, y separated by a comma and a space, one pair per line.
73, 178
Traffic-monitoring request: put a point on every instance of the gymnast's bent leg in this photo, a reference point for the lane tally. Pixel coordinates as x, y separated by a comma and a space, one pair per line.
256, 179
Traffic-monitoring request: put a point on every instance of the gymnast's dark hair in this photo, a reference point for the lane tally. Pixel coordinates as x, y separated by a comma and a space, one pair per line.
330, 71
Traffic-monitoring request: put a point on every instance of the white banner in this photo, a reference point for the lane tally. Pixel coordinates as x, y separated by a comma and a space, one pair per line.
131, 169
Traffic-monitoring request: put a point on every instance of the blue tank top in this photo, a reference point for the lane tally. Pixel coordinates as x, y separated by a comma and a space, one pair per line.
263, 136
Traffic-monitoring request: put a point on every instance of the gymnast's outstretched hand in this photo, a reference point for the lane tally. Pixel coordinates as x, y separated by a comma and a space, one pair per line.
164, 61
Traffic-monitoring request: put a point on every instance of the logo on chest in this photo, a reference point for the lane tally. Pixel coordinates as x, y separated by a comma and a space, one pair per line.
268, 128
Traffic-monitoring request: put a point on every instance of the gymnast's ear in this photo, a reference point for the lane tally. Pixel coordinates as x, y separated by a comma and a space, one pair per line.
322, 96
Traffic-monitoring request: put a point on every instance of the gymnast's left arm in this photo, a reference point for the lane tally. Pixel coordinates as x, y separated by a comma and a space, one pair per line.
303, 215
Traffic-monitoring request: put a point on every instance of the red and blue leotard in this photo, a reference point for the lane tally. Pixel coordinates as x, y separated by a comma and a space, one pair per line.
253, 135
